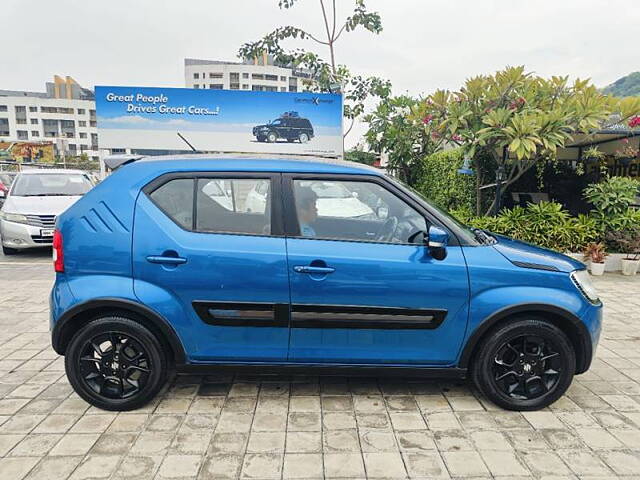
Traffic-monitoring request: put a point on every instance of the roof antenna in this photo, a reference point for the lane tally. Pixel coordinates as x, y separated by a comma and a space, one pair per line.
187, 142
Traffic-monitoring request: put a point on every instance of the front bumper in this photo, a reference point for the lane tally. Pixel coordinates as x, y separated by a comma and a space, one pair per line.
22, 236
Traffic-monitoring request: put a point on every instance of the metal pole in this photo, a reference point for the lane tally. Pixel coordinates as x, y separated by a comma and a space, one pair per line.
499, 174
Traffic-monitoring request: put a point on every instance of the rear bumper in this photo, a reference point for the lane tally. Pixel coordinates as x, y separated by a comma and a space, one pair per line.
21, 236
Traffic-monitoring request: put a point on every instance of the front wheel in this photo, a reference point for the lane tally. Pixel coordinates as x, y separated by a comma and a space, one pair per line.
115, 363
272, 137
525, 364
9, 251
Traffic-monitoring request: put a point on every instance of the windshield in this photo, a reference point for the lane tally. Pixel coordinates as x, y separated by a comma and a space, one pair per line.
464, 233
51, 184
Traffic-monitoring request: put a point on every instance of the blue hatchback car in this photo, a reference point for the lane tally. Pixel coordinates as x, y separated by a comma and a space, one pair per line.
196, 262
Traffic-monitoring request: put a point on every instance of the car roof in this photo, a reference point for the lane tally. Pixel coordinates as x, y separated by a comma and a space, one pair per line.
50, 170
253, 162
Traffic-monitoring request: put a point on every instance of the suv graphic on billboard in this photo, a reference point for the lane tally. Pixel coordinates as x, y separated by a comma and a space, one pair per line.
289, 126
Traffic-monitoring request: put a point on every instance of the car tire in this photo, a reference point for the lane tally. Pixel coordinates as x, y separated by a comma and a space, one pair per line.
9, 251
303, 138
272, 137
525, 364
122, 378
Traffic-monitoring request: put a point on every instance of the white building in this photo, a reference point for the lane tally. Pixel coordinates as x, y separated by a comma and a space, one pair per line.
64, 115
260, 74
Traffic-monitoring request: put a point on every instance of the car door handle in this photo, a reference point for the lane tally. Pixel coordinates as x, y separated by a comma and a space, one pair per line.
310, 269
166, 260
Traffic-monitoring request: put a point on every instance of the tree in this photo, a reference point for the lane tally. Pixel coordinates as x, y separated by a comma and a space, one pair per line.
359, 155
525, 116
396, 130
328, 76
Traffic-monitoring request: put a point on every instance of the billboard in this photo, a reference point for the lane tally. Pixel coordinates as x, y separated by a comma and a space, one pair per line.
27, 152
150, 118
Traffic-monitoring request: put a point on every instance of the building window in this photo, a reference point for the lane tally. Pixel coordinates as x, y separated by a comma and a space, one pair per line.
92, 113
83, 135
255, 76
215, 75
283, 89
81, 111
3, 108
271, 77
22, 134
195, 85
293, 89
21, 121
234, 77
20, 109
82, 123
35, 133
283, 79
215, 86
196, 75
234, 86
93, 123
245, 86
34, 121
72, 146
245, 75
33, 109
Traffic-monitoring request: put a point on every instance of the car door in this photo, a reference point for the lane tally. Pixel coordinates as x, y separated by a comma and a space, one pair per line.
216, 271
369, 295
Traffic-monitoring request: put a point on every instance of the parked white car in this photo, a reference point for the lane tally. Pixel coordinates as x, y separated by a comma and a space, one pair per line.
216, 191
36, 198
334, 200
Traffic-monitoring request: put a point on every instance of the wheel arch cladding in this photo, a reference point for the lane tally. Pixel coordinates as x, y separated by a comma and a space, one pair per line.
566, 321
79, 315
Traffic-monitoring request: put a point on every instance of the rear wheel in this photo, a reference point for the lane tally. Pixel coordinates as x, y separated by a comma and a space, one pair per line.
525, 364
303, 137
115, 363
9, 251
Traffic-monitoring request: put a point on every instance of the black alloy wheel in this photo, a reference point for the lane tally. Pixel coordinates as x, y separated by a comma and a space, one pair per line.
527, 367
115, 363
524, 364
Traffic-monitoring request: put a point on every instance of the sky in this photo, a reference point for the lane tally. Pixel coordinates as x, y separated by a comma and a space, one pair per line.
425, 44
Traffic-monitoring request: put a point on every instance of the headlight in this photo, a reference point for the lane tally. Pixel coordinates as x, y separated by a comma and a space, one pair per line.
13, 217
582, 280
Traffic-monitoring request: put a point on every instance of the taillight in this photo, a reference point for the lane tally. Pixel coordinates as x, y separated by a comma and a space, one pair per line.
58, 256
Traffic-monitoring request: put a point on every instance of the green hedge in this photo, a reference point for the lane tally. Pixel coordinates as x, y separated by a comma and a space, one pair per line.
443, 185
545, 224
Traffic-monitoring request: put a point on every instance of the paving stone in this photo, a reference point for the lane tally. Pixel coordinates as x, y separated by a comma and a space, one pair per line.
304, 442
340, 441
221, 466
503, 463
74, 444
138, 467
35, 445
16, 468
114, 444
178, 466
262, 465
384, 465
302, 465
96, 466
343, 465
54, 468
269, 442
465, 463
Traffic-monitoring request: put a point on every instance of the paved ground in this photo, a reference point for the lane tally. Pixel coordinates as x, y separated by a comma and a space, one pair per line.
276, 427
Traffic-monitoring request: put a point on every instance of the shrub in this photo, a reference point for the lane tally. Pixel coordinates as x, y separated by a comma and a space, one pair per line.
545, 224
443, 185
612, 197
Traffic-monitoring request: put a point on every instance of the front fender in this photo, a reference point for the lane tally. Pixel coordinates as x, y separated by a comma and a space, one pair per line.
491, 306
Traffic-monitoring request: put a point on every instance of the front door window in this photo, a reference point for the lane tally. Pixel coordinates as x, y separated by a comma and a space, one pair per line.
355, 211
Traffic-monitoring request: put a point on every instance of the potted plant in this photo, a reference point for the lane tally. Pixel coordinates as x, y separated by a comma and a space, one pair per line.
628, 242
592, 155
626, 154
596, 254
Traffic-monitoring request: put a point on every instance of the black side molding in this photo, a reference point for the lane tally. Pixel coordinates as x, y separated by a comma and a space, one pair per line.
352, 316
241, 314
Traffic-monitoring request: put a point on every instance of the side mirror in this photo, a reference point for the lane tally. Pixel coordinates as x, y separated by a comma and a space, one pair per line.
437, 242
